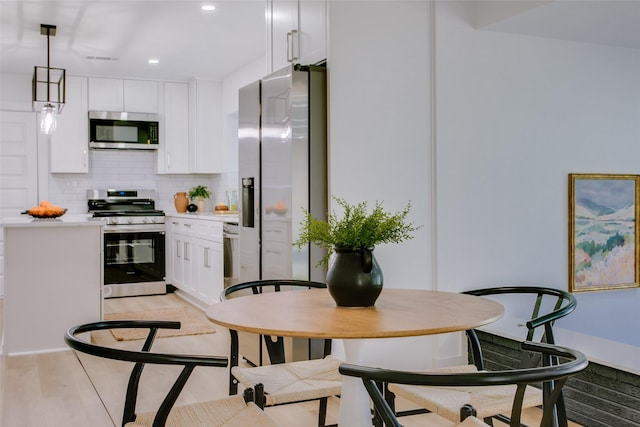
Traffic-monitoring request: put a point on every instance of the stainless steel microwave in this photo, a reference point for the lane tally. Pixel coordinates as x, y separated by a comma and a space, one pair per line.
124, 131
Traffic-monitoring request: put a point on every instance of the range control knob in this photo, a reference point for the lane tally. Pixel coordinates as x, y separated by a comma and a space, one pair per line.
145, 220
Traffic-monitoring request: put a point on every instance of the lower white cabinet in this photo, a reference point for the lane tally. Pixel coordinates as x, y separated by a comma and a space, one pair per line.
196, 257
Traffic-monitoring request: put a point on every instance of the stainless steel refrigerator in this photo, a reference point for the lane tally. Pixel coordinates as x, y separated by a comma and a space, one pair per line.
282, 172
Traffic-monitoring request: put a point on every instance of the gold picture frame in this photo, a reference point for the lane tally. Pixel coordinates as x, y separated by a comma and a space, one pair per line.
604, 232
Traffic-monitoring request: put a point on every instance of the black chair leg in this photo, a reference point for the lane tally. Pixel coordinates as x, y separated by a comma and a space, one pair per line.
322, 412
258, 391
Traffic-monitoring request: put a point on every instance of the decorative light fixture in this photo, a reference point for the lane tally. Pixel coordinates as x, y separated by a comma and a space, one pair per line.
49, 88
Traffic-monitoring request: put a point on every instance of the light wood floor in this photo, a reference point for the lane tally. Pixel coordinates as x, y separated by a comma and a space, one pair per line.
63, 389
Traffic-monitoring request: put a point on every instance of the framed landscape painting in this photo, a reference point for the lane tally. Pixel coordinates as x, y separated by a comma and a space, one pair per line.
603, 231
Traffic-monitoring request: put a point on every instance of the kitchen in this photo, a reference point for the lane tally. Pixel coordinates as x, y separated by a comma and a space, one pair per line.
363, 126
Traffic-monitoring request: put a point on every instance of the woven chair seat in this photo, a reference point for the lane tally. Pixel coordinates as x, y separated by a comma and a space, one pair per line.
447, 401
228, 412
294, 381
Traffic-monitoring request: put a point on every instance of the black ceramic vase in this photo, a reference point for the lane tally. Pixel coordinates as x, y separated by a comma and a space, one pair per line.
354, 278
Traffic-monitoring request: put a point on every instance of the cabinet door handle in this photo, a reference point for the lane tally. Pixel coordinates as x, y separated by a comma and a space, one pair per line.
291, 35
85, 158
168, 160
178, 247
295, 39
187, 256
206, 258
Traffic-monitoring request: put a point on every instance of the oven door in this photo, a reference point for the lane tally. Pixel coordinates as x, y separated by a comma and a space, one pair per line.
134, 263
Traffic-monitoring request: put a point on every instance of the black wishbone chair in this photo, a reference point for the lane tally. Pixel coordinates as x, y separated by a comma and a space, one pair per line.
236, 411
548, 305
284, 382
570, 362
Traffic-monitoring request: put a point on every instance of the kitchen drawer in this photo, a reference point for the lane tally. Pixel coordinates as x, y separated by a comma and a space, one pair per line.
204, 229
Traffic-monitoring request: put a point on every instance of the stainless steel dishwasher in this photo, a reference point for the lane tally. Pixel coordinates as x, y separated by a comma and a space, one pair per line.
230, 247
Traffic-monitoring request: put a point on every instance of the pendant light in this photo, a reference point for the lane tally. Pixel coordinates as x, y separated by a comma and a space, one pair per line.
49, 86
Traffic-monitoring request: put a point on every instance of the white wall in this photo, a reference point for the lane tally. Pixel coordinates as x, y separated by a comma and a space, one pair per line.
380, 137
516, 115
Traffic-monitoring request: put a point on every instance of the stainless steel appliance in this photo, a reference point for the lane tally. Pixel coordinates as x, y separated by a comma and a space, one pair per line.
134, 241
282, 171
124, 131
230, 247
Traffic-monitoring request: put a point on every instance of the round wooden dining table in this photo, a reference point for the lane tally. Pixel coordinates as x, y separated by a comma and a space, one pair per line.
313, 314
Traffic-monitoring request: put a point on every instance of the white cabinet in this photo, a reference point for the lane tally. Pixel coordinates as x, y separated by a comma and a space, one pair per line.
140, 96
106, 94
196, 258
133, 96
298, 30
284, 33
68, 151
205, 126
312, 31
192, 117
173, 152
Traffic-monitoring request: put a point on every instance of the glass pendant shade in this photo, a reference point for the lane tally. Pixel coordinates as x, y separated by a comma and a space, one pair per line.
48, 119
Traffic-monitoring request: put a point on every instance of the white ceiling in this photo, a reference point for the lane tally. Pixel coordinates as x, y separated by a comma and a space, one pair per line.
188, 42
608, 22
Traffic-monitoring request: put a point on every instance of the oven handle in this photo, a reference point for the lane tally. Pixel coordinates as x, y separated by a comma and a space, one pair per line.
134, 229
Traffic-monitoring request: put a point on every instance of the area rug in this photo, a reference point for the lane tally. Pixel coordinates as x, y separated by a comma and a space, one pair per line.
190, 324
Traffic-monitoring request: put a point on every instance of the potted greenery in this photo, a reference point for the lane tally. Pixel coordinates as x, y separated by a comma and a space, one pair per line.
197, 194
354, 277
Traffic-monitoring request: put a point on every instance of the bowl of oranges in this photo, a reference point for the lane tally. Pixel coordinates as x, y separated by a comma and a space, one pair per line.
46, 210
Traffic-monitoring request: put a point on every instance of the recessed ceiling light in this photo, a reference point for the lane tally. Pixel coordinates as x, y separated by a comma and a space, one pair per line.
208, 7
154, 61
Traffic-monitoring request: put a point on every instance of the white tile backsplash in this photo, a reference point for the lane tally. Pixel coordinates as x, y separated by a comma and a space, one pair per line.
133, 170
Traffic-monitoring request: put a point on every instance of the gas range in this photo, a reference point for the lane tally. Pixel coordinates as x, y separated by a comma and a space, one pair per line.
133, 209
134, 241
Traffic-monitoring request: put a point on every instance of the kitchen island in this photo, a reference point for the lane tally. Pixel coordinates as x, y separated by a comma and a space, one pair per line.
53, 280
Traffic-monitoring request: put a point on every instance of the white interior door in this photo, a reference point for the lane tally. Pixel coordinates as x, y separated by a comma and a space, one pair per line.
18, 168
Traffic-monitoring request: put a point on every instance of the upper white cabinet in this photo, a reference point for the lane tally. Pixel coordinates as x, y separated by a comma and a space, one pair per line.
140, 96
284, 33
298, 30
173, 152
106, 94
68, 152
133, 96
205, 126
192, 117
312, 31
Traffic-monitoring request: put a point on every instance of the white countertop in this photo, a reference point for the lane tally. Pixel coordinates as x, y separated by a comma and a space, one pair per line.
209, 216
66, 220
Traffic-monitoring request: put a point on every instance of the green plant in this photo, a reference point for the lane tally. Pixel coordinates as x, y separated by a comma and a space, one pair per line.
356, 228
199, 191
